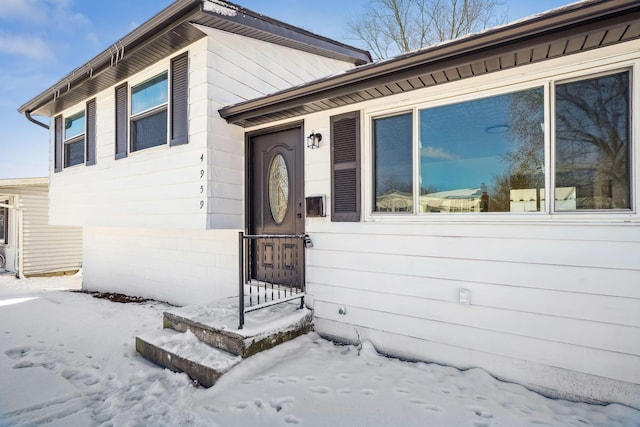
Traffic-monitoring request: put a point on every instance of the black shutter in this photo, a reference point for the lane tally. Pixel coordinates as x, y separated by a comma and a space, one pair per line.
122, 117
57, 144
345, 167
90, 132
179, 100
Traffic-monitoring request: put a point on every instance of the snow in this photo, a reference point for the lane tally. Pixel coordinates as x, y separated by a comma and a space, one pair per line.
220, 8
68, 359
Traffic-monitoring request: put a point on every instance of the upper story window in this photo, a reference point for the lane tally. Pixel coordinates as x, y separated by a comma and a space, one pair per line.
154, 112
74, 130
149, 102
75, 138
490, 154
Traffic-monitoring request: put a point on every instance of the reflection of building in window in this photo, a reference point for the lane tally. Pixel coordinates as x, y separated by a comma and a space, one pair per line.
462, 200
533, 199
394, 201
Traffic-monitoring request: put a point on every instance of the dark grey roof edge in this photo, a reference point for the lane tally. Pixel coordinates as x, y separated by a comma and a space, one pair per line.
274, 26
174, 14
547, 22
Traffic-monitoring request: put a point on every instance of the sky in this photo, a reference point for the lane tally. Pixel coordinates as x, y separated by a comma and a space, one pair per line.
55, 370
41, 41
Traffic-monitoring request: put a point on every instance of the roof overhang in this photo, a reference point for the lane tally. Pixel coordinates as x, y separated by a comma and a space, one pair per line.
22, 182
571, 29
168, 32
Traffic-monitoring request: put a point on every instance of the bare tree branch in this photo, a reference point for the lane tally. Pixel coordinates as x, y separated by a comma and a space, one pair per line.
391, 27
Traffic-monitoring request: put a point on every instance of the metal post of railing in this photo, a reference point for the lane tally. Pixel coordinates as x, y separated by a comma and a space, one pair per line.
304, 270
241, 278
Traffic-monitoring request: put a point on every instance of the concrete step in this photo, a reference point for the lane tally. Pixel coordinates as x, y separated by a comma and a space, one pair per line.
216, 325
184, 352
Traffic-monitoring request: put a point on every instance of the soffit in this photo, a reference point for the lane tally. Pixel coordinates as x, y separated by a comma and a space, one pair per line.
566, 31
164, 35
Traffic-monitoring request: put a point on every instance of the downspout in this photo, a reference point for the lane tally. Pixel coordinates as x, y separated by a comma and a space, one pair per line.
27, 114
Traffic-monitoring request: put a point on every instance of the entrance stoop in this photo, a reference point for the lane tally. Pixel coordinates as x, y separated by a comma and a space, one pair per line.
203, 340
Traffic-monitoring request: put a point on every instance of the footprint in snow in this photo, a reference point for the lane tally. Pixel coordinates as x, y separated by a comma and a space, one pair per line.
240, 406
23, 364
18, 352
310, 378
426, 405
344, 376
290, 419
319, 390
344, 391
281, 403
369, 392
401, 390
482, 413
79, 378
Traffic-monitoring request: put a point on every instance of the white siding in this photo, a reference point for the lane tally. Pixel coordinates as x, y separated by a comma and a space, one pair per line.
554, 298
194, 186
238, 69
179, 266
44, 248
156, 187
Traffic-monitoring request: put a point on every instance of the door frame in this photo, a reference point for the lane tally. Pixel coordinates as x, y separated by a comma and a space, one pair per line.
248, 176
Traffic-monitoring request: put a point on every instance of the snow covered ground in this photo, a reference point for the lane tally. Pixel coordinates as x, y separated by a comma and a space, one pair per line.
68, 359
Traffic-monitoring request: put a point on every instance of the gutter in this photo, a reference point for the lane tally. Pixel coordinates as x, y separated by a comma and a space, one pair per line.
27, 114
110, 57
539, 26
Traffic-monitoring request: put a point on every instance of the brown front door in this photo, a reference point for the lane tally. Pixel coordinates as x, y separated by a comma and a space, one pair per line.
276, 197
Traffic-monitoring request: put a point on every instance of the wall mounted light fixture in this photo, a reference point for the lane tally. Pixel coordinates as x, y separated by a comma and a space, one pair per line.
313, 140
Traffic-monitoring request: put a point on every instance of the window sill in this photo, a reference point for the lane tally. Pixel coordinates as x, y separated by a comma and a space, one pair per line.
507, 218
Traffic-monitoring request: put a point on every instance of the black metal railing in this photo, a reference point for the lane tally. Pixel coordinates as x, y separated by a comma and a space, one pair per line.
271, 270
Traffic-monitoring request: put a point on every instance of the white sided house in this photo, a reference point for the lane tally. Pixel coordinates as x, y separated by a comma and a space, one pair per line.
29, 246
474, 204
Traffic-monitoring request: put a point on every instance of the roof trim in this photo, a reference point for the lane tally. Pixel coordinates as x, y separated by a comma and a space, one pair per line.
538, 28
176, 17
22, 182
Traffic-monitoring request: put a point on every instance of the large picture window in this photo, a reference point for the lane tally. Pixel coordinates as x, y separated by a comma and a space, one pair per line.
74, 133
485, 155
490, 154
149, 102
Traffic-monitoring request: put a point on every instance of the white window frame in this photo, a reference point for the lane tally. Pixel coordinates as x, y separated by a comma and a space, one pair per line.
468, 92
149, 111
74, 139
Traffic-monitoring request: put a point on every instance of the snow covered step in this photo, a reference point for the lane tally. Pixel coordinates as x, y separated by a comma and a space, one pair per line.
217, 325
184, 352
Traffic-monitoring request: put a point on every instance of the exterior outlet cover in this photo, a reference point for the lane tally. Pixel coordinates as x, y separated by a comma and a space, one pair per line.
464, 296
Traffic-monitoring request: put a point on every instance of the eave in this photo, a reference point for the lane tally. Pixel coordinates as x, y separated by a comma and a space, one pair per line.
560, 32
165, 34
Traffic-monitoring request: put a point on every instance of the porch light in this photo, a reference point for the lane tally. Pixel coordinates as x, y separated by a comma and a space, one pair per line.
313, 140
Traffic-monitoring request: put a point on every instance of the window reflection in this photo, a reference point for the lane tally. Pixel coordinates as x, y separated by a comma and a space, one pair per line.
393, 170
592, 143
150, 94
485, 155
74, 140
